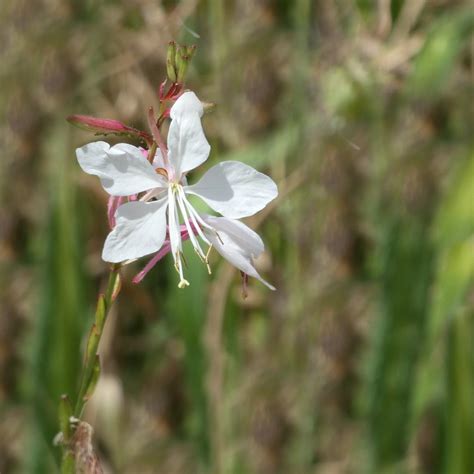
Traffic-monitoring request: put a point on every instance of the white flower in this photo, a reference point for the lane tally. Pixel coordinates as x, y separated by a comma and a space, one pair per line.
231, 188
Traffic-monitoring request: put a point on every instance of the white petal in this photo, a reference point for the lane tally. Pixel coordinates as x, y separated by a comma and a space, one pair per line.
122, 169
242, 235
237, 243
187, 103
234, 189
188, 147
140, 230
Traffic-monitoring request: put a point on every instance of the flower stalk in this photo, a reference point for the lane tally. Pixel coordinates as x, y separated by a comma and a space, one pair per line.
90, 372
90, 369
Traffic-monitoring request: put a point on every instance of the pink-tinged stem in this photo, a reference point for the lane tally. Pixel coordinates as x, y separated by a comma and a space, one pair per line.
174, 91
157, 135
158, 256
161, 90
165, 249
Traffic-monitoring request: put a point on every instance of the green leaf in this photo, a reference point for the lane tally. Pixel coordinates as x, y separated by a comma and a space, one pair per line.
399, 337
445, 374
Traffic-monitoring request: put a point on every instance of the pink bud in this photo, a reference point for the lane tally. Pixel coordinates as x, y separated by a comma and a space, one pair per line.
106, 126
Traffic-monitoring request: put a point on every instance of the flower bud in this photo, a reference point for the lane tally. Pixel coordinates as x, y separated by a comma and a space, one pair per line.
183, 56
171, 61
94, 124
102, 126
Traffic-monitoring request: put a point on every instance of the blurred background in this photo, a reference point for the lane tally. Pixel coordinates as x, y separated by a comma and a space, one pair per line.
362, 361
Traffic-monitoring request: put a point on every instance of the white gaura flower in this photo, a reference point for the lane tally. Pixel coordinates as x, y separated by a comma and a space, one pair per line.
151, 223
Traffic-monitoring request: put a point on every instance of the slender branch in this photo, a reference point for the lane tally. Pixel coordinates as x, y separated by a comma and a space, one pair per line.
104, 304
90, 369
157, 135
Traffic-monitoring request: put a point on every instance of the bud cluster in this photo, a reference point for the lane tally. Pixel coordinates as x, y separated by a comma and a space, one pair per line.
177, 60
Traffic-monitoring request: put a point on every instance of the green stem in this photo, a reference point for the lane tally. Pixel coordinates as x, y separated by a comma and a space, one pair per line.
68, 465
90, 364
104, 304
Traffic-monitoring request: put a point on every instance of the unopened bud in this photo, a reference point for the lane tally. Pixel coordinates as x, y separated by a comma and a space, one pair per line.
171, 61
102, 126
190, 50
94, 124
183, 57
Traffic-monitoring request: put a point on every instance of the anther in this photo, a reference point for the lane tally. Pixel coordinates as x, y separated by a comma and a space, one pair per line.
199, 255
162, 171
184, 259
218, 237
207, 260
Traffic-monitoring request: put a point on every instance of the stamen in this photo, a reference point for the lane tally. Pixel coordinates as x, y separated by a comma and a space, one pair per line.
219, 237
193, 212
183, 258
198, 228
192, 237
173, 190
162, 172
193, 223
196, 225
182, 282
207, 260
199, 218
193, 218
200, 257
